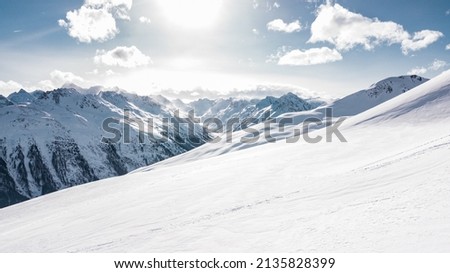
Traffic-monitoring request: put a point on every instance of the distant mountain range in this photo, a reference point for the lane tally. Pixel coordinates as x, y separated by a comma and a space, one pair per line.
51, 140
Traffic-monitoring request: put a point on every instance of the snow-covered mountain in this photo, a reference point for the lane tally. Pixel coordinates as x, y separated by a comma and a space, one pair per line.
376, 94
348, 106
21, 97
386, 189
250, 111
4, 101
52, 140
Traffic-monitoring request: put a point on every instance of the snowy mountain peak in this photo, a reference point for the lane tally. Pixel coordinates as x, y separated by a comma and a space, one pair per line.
395, 84
376, 94
4, 101
21, 97
57, 140
273, 107
260, 109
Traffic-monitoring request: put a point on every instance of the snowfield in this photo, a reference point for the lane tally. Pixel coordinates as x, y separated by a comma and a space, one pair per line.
387, 189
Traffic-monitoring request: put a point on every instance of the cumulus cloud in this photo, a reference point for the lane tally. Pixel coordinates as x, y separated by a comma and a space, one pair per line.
122, 56
421, 39
119, 8
144, 20
311, 56
435, 66
345, 29
8, 87
280, 25
58, 78
89, 24
447, 47
96, 20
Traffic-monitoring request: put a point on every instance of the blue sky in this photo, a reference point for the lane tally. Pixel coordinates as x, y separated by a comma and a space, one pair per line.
146, 46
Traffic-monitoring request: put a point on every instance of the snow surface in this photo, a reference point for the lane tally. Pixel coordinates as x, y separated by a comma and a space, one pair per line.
386, 190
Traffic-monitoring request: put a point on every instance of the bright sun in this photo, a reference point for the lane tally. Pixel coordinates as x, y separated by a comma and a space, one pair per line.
193, 14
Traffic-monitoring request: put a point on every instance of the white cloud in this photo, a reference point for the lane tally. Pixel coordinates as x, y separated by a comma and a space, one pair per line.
109, 72
122, 56
96, 20
280, 25
97, 72
310, 56
276, 5
417, 71
421, 39
88, 24
144, 20
8, 87
447, 47
436, 65
58, 78
255, 4
119, 8
447, 12
255, 31
345, 29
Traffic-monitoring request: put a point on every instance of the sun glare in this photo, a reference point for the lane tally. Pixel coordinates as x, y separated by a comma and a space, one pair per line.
194, 14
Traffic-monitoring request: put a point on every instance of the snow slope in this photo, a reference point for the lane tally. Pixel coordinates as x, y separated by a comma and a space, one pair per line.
387, 189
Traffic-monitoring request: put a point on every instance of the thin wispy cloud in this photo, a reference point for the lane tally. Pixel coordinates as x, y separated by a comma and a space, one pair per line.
434, 66
311, 56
